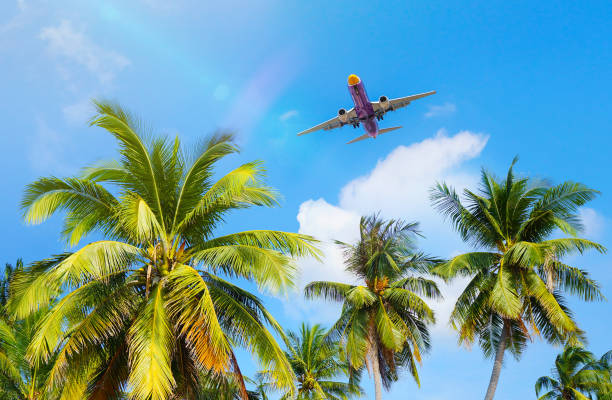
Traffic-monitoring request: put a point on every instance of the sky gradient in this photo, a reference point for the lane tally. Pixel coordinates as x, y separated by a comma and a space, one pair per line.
526, 78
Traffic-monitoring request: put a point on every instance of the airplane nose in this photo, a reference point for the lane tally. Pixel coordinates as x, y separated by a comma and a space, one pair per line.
353, 79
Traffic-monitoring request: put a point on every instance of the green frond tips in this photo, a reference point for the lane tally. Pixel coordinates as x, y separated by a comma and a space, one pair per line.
270, 269
328, 290
89, 206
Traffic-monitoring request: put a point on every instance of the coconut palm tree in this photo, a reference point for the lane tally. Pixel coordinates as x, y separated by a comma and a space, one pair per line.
604, 392
384, 321
317, 364
576, 376
150, 306
18, 379
261, 387
518, 278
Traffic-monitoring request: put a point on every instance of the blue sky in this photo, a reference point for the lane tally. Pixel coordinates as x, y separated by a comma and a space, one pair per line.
526, 78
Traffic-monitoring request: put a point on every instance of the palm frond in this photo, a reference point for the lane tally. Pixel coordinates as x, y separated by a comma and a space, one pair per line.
270, 269
328, 290
150, 341
189, 304
136, 158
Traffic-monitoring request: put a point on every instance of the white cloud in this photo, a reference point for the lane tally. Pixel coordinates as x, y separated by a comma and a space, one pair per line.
287, 115
399, 186
64, 41
593, 223
79, 112
443, 110
327, 223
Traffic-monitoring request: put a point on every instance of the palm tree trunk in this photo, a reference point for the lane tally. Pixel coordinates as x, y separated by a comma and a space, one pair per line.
376, 373
497, 365
374, 361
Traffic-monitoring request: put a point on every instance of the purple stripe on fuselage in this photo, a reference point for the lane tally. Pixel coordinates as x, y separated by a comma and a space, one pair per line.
364, 108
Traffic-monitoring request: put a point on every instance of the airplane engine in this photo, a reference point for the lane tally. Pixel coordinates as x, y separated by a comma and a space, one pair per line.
342, 115
384, 103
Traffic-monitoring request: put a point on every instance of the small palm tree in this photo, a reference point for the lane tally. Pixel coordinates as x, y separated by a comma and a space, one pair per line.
317, 364
261, 388
150, 307
576, 376
517, 280
384, 322
604, 392
18, 379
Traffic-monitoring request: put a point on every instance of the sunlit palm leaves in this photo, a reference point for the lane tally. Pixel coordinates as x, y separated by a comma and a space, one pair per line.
319, 366
384, 322
576, 376
145, 311
18, 379
518, 279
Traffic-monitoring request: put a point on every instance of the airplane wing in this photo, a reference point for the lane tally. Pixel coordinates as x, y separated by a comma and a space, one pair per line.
333, 123
400, 102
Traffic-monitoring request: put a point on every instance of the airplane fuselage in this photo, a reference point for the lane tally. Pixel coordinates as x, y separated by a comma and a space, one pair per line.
363, 108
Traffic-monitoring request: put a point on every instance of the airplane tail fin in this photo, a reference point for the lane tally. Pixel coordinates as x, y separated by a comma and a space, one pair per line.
381, 131
362, 137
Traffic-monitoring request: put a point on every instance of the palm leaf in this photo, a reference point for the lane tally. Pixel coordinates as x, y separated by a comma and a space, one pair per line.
150, 341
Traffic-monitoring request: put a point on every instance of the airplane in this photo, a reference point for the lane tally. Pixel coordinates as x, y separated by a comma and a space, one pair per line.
365, 111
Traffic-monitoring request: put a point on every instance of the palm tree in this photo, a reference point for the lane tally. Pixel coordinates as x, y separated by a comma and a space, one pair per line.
604, 392
576, 376
260, 391
18, 379
149, 307
317, 364
384, 322
518, 278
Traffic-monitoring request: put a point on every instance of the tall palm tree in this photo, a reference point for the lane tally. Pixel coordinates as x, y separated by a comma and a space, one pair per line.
317, 364
518, 278
145, 309
576, 376
384, 321
18, 379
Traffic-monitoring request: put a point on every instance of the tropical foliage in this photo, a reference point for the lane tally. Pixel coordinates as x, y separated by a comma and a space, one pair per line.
150, 308
153, 305
18, 379
318, 364
518, 278
577, 376
384, 321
